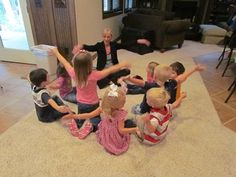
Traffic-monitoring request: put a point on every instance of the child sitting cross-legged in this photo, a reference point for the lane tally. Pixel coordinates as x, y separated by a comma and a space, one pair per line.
153, 125
48, 108
64, 84
114, 129
137, 89
86, 86
163, 78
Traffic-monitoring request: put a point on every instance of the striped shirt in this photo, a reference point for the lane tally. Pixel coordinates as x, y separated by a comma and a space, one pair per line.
159, 118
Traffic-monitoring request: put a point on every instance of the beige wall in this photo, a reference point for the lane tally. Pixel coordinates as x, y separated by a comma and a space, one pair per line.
90, 23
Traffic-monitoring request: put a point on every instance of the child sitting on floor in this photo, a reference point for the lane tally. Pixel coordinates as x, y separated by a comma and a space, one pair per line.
153, 125
163, 78
64, 84
86, 85
137, 89
48, 108
177, 69
113, 130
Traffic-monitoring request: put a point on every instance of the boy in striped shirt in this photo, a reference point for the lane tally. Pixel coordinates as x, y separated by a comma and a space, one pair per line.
154, 124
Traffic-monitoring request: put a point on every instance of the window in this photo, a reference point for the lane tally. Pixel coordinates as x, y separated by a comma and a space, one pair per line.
112, 8
129, 5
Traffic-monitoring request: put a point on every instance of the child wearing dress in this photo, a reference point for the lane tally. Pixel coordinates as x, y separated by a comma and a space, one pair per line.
86, 86
154, 125
64, 84
48, 108
112, 133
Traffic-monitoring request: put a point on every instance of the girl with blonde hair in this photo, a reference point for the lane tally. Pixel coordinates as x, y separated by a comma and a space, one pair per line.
113, 130
86, 88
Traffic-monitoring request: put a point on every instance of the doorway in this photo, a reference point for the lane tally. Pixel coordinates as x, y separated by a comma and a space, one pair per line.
15, 32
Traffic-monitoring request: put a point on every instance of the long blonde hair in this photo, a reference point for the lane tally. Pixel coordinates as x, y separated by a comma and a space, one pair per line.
83, 65
157, 97
113, 99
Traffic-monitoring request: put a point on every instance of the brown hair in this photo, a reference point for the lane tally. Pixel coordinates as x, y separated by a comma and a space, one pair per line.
83, 65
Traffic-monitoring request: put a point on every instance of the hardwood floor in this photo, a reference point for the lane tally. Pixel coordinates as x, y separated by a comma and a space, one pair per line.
217, 87
16, 100
15, 96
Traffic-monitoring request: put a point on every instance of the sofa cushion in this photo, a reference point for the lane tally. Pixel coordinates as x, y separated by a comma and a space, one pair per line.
131, 35
176, 26
212, 30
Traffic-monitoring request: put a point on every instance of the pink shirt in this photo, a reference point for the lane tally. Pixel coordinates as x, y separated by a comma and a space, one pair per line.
87, 94
65, 85
150, 78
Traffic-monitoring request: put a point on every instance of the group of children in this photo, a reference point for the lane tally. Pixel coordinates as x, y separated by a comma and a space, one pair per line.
108, 120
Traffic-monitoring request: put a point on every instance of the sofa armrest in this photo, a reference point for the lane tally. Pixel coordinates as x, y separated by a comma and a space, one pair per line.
175, 26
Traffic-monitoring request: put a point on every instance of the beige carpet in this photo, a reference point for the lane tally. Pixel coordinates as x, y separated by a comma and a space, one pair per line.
196, 145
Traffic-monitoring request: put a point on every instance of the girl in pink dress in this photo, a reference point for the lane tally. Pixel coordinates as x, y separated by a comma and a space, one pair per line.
86, 88
113, 130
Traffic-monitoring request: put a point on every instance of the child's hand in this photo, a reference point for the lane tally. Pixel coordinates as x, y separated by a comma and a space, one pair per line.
146, 118
69, 116
76, 49
200, 67
121, 80
54, 51
138, 132
126, 77
64, 109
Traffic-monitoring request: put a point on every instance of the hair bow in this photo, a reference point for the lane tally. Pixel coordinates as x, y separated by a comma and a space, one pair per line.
113, 92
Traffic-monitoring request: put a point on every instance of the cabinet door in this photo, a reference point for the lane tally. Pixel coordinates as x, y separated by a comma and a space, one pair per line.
53, 23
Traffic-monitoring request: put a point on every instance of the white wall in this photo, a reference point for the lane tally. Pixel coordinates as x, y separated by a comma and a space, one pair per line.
90, 23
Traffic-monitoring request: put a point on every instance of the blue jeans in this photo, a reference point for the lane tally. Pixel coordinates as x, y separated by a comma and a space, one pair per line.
71, 97
86, 108
135, 89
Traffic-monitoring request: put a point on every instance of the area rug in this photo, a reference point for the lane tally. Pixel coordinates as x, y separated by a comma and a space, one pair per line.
196, 145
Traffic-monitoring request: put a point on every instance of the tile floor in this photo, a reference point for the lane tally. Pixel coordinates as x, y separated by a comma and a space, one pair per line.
217, 87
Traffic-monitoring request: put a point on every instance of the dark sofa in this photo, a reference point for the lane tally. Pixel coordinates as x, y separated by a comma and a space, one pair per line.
167, 32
